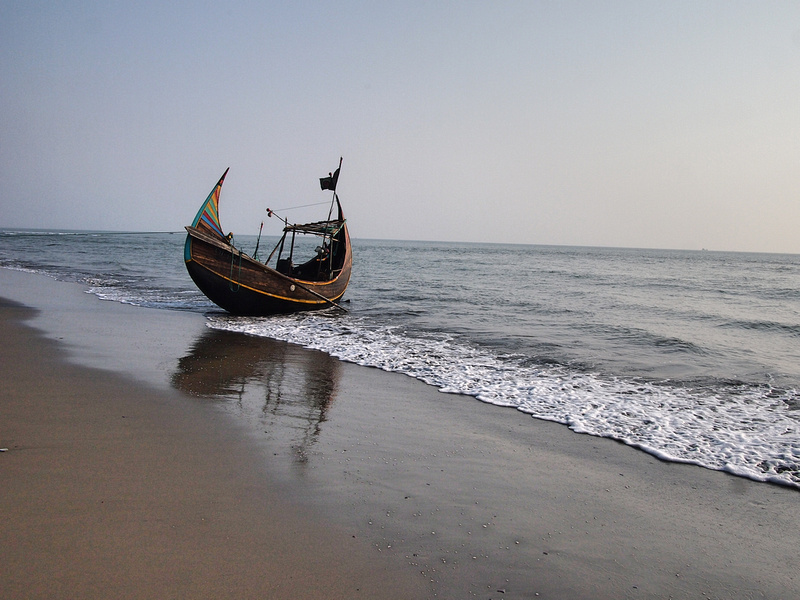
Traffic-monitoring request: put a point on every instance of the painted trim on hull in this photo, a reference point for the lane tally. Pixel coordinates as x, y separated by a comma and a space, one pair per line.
262, 293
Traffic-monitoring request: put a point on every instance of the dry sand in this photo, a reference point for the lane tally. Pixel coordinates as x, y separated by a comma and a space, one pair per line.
239, 467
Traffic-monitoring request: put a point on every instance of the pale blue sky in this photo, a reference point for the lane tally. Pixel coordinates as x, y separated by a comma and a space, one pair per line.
646, 124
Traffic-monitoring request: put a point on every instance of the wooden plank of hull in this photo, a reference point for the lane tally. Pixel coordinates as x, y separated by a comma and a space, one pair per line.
243, 286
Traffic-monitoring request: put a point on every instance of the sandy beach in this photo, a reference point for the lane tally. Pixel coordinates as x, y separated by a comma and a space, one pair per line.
147, 456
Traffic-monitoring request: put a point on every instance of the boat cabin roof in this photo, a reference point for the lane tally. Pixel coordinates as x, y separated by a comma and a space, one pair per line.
318, 228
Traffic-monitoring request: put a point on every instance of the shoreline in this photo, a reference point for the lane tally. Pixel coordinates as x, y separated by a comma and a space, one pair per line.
450, 496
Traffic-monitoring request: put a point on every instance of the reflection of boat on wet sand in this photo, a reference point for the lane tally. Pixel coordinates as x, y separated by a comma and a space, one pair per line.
243, 285
285, 389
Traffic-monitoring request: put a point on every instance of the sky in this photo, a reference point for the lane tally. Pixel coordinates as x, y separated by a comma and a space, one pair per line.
629, 124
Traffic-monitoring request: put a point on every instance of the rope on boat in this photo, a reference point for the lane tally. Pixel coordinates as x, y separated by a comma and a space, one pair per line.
296, 207
234, 287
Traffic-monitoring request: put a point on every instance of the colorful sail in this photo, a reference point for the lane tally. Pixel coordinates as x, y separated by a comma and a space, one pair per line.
208, 215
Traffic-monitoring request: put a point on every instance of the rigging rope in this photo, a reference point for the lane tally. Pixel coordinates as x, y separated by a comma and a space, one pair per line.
301, 206
231, 282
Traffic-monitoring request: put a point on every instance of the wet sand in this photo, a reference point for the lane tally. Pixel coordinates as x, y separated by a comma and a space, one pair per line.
149, 456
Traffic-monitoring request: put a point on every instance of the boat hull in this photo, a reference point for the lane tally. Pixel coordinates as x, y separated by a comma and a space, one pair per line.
243, 286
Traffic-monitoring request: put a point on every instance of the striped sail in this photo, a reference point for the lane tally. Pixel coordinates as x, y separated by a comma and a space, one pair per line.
208, 215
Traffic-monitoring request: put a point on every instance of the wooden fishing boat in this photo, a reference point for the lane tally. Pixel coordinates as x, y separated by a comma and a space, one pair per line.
243, 285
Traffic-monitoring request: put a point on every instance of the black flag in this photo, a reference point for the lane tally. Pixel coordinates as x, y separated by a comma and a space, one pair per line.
329, 182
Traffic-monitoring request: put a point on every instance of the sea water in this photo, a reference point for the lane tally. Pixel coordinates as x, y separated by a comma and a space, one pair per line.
692, 356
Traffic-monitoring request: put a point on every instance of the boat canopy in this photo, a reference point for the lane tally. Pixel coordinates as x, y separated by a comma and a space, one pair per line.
318, 228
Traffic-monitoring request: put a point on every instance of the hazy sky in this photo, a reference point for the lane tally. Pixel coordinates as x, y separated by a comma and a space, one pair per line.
647, 124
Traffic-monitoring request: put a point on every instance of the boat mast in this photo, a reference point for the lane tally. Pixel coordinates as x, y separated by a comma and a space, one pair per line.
329, 233
335, 181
